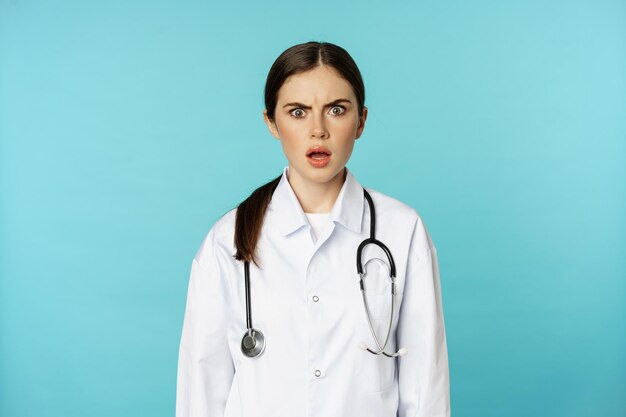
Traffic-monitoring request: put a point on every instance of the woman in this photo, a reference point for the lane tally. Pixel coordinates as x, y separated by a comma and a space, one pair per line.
299, 342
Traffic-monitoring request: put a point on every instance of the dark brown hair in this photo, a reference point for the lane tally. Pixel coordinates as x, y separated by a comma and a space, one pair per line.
294, 60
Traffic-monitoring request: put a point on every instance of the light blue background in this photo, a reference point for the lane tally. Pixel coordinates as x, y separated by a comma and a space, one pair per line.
128, 128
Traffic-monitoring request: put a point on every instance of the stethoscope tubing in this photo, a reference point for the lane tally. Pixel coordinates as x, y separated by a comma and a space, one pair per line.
253, 341
392, 275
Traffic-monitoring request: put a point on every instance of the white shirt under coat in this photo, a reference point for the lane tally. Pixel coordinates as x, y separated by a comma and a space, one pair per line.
307, 301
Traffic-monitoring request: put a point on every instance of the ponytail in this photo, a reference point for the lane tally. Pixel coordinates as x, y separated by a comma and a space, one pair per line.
249, 221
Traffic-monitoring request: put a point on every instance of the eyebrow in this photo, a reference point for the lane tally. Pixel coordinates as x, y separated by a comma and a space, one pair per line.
332, 103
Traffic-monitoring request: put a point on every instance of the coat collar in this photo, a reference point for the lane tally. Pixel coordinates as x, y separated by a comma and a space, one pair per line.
289, 215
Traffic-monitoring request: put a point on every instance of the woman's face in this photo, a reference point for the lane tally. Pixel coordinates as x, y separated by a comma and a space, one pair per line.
316, 108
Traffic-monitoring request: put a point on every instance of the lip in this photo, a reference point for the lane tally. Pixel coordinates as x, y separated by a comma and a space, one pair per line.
318, 162
318, 148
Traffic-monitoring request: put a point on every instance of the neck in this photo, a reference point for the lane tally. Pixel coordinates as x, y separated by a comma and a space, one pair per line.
315, 197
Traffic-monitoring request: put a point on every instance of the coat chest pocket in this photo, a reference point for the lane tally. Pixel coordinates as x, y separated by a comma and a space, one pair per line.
377, 285
379, 306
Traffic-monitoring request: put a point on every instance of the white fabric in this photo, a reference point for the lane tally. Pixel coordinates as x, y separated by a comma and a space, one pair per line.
303, 336
319, 223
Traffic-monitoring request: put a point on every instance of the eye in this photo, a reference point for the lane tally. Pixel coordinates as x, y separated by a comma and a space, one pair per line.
343, 109
298, 113
295, 113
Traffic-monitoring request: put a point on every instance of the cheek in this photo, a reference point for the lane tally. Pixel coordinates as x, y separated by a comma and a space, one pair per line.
289, 132
346, 149
346, 127
291, 146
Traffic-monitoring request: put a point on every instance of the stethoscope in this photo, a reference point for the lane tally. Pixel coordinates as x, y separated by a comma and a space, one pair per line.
253, 341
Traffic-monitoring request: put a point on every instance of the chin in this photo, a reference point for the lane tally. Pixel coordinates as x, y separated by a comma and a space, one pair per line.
325, 174
318, 175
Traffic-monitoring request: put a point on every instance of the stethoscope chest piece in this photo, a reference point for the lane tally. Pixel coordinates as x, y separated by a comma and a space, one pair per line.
253, 343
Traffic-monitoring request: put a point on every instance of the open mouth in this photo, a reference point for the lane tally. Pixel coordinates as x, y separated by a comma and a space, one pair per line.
318, 156
318, 153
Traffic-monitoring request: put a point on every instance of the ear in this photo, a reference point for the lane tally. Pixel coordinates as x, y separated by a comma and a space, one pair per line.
361, 125
271, 125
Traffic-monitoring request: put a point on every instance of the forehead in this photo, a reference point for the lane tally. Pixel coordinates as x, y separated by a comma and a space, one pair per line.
320, 83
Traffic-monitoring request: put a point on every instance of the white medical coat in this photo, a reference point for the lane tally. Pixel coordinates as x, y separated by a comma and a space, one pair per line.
307, 302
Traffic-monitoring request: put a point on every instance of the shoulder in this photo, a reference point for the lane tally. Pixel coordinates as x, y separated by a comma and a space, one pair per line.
392, 207
400, 216
219, 239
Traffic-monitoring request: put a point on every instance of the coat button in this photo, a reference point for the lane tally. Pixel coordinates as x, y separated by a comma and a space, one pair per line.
316, 298
318, 372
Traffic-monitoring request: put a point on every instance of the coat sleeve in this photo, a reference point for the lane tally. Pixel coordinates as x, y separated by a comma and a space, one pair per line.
423, 375
205, 365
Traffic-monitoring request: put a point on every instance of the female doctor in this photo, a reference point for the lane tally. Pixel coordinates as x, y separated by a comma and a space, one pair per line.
315, 297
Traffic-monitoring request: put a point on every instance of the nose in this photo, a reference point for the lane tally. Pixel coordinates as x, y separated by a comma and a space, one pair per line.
318, 129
